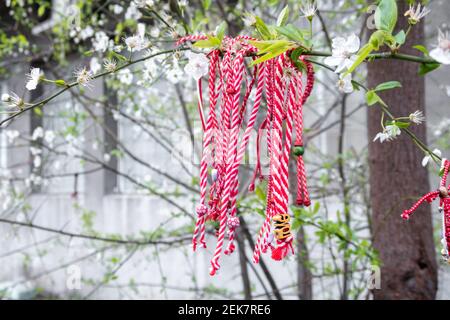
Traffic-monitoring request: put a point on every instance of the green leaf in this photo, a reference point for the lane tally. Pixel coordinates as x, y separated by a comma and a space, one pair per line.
41, 10
422, 49
402, 124
424, 68
220, 31
400, 37
211, 42
362, 55
386, 15
118, 56
299, 64
388, 85
292, 33
372, 98
262, 29
283, 17
378, 38
274, 50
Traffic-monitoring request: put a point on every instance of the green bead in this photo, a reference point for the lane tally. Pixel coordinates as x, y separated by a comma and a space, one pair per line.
299, 150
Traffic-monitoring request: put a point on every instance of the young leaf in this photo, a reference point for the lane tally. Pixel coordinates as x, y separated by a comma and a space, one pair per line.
422, 49
372, 98
402, 124
272, 54
211, 42
424, 68
283, 17
388, 85
291, 32
262, 29
220, 31
400, 37
386, 15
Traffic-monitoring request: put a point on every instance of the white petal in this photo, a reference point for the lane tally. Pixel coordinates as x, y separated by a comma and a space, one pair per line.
440, 55
31, 85
437, 152
338, 42
352, 43
333, 61
425, 161
341, 66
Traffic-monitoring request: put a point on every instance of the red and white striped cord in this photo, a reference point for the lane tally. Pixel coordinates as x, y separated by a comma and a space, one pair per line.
233, 91
241, 151
222, 150
202, 210
430, 196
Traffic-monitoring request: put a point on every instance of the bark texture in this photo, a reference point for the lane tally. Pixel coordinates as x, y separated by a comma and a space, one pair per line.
397, 179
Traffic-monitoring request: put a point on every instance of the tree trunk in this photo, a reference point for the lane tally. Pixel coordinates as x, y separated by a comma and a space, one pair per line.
407, 252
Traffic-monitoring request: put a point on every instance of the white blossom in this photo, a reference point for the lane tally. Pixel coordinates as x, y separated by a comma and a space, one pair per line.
83, 76
133, 12
94, 65
343, 52
197, 66
415, 15
49, 137
125, 76
101, 42
393, 130
117, 9
345, 83
37, 161
136, 43
427, 158
107, 157
442, 52
6, 97
35, 151
144, 3
389, 133
12, 135
33, 78
308, 9
175, 74
37, 133
14, 100
382, 136
86, 33
417, 117
110, 65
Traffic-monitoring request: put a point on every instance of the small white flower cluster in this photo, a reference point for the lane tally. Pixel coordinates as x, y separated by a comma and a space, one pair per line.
389, 133
342, 57
48, 136
393, 130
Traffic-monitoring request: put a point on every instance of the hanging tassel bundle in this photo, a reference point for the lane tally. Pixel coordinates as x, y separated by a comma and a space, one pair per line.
444, 208
224, 149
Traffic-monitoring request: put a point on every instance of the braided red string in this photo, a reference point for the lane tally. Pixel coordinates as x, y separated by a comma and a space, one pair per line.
442, 192
223, 151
